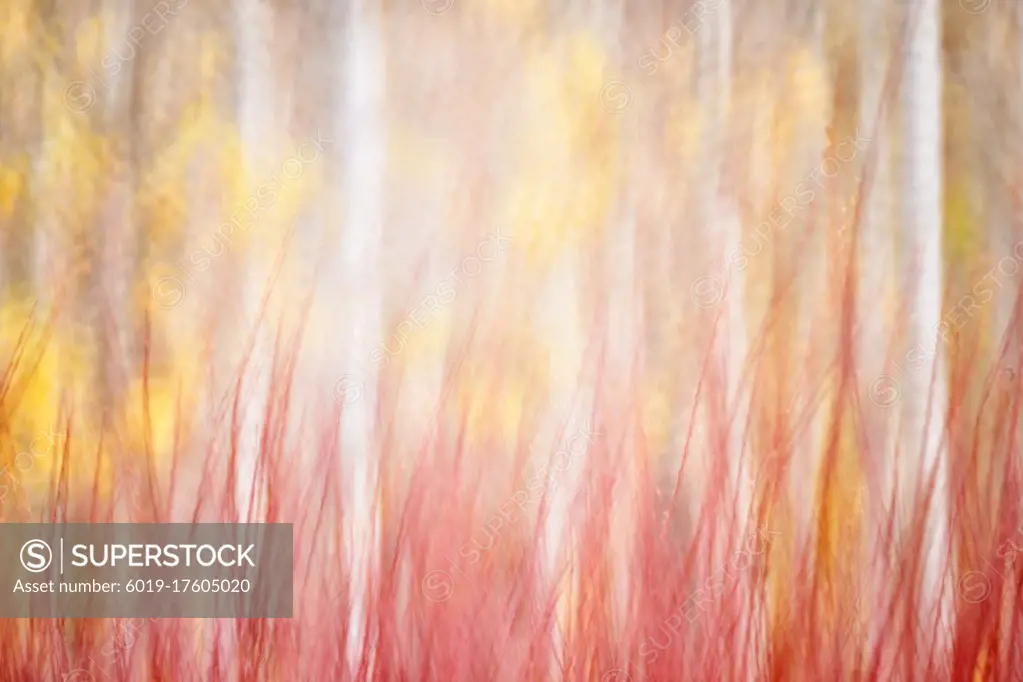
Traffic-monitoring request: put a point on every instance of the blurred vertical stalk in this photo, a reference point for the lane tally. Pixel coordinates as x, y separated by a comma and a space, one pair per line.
362, 122
16, 226
721, 220
924, 410
875, 267
21, 109
811, 275
125, 251
254, 24
722, 226
88, 230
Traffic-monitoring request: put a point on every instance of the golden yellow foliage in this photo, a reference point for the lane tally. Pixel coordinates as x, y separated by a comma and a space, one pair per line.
11, 183
231, 164
512, 12
809, 88
565, 188
53, 373
414, 157
75, 164
295, 191
90, 40
428, 345
163, 401
211, 58
14, 32
494, 395
962, 243
685, 130
162, 184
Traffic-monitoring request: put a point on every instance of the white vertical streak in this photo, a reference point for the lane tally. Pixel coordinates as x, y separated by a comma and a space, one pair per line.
257, 130
561, 327
876, 266
922, 215
725, 227
365, 143
625, 320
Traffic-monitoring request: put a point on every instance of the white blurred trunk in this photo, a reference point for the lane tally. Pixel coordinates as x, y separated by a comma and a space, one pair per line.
722, 221
876, 268
254, 20
571, 379
722, 226
571, 401
362, 125
923, 410
1010, 233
